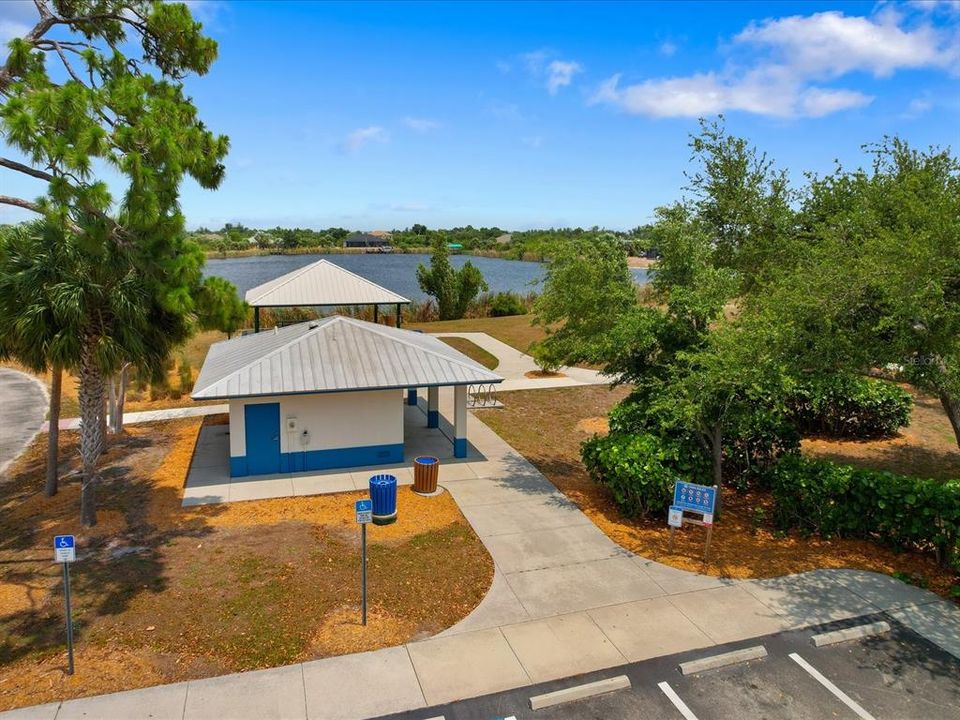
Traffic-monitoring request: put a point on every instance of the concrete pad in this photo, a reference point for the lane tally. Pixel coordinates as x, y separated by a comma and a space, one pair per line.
569, 588
561, 646
161, 701
322, 484
808, 599
673, 580
361, 477
649, 628
206, 495
489, 491
538, 549
47, 711
255, 489
727, 614
499, 606
938, 622
883, 591
208, 475
466, 665
451, 472
362, 685
538, 514
275, 693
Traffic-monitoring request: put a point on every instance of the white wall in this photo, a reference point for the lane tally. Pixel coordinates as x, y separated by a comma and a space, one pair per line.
332, 420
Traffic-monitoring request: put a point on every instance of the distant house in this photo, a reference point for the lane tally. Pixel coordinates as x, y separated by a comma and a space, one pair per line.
504, 239
366, 240
386, 234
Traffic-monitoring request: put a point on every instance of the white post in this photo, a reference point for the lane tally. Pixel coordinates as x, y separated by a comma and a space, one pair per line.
433, 407
460, 421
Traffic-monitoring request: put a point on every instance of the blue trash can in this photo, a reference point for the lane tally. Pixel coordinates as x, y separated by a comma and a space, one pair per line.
383, 492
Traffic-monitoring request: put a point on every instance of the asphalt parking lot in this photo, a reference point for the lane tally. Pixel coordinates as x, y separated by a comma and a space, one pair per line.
895, 676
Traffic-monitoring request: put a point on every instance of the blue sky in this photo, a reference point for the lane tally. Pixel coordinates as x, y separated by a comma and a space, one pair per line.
376, 115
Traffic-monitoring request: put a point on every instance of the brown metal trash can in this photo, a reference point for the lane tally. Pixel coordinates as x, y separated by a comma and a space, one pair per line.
426, 470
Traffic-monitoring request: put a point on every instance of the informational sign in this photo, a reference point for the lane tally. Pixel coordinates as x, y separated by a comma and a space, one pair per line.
64, 549
364, 510
675, 516
693, 497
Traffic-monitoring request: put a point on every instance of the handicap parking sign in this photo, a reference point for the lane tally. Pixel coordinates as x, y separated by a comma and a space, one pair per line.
364, 510
64, 549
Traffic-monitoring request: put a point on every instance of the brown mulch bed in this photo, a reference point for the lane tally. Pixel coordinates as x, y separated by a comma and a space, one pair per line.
548, 426
164, 593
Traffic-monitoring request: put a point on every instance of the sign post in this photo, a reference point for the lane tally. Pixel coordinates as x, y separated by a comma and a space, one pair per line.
364, 509
692, 498
65, 552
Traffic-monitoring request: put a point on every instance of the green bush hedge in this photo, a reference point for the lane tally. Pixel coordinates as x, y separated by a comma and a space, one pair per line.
640, 470
506, 303
850, 406
830, 499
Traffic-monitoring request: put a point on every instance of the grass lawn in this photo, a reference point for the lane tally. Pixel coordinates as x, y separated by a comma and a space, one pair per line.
472, 351
514, 330
547, 427
164, 593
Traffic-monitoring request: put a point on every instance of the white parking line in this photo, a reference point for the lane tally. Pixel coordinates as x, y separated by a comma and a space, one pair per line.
677, 702
837, 692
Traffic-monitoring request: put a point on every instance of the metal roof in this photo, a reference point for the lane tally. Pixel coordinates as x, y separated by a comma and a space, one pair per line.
321, 283
335, 354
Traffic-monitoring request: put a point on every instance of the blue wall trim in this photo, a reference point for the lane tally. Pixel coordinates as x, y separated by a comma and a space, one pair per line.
328, 459
433, 418
412, 396
460, 447
238, 466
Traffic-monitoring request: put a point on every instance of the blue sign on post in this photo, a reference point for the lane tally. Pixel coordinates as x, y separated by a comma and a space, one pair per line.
364, 510
693, 497
64, 548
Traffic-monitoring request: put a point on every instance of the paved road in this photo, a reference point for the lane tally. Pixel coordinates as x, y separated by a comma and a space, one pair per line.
898, 676
24, 402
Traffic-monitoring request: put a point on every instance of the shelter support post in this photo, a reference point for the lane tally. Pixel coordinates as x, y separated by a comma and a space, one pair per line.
256, 319
412, 396
376, 313
398, 314
460, 421
433, 407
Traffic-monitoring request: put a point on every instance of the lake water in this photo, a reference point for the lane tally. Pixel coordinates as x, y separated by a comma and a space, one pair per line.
397, 272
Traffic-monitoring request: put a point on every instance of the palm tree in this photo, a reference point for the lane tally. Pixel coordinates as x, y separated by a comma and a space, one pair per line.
32, 260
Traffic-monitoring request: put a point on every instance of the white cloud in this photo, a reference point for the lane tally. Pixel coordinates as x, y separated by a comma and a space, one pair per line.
831, 44
667, 48
544, 66
364, 136
560, 73
421, 125
504, 67
917, 107
789, 59
535, 141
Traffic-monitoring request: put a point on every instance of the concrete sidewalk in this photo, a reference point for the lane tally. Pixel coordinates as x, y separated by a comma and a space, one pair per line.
514, 365
565, 600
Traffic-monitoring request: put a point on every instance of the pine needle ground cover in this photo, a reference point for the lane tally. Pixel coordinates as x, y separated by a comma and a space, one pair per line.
164, 593
547, 427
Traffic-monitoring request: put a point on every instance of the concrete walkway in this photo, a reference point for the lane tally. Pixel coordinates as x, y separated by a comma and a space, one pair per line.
145, 416
565, 600
25, 401
514, 365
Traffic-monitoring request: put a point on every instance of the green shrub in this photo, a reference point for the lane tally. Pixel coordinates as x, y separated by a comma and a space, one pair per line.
640, 470
750, 446
830, 499
850, 406
506, 303
185, 373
